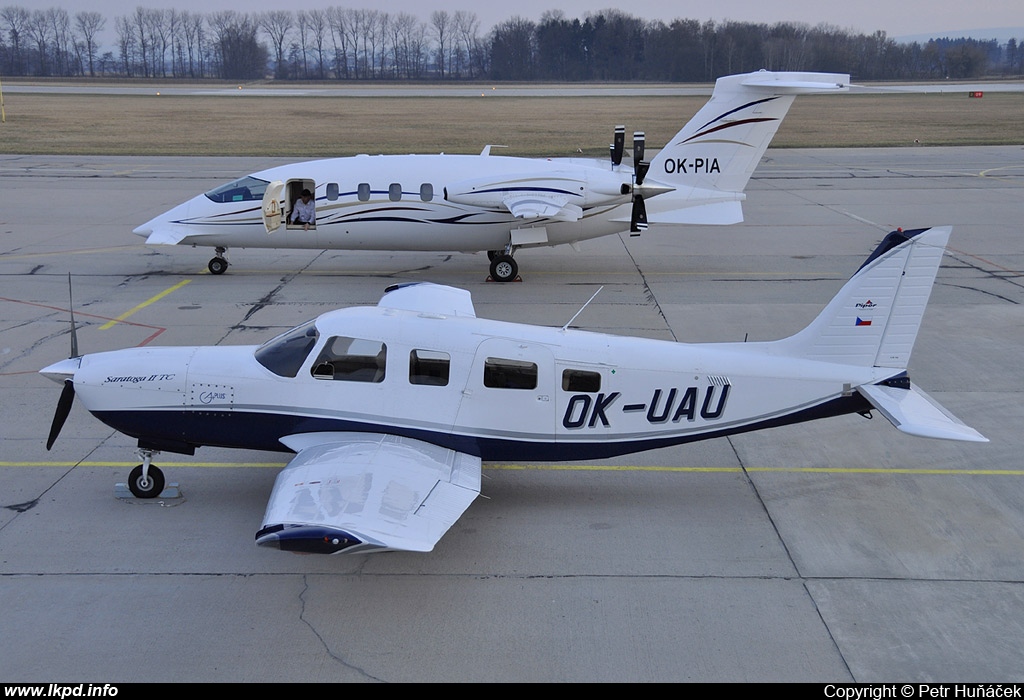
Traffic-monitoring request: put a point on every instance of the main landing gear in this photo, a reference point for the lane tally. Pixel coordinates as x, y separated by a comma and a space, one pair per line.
145, 480
503, 266
219, 262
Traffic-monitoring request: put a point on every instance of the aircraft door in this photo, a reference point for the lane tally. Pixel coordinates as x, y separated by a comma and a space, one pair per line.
511, 390
272, 214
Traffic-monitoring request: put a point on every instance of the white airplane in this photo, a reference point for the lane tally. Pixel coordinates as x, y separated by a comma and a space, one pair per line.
472, 203
391, 409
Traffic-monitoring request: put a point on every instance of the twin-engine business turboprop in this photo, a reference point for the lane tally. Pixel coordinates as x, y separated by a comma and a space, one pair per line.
391, 409
472, 203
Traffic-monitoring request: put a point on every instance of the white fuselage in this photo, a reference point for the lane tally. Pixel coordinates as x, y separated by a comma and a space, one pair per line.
399, 203
575, 394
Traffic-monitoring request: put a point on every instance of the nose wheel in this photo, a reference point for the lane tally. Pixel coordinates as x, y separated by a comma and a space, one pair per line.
145, 480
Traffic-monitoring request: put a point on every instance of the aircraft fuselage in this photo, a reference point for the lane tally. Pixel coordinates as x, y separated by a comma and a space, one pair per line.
495, 390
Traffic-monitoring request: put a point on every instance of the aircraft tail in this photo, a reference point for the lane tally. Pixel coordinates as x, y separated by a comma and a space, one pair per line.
709, 162
873, 322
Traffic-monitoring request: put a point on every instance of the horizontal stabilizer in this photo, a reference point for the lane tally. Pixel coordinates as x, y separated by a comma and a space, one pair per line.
798, 83
914, 412
715, 213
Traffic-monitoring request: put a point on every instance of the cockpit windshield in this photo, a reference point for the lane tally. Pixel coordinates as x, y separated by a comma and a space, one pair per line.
245, 189
285, 354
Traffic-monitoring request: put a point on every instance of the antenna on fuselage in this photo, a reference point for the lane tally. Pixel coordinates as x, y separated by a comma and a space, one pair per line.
566, 326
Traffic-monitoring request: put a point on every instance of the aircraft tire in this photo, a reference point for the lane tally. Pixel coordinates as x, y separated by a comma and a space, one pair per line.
217, 266
143, 488
504, 268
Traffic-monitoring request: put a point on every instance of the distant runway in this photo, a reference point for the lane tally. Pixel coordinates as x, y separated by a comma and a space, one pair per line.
348, 89
840, 550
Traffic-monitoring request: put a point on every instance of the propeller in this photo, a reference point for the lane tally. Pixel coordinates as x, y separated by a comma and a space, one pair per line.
67, 394
638, 219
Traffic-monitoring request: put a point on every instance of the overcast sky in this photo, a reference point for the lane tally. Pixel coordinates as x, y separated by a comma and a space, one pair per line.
909, 17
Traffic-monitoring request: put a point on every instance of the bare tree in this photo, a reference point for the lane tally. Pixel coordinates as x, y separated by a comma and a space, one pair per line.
336, 19
467, 41
16, 20
277, 24
89, 25
38, 31
440, 22
318, 29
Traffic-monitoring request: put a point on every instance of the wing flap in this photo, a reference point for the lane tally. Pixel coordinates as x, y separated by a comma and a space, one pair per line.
358, 492
914, 412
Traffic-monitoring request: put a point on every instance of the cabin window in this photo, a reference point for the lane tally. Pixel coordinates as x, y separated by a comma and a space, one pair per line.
578, 380
426, 192
245, 189
363, 192
332, 191
395, 192
285, 354
351, 360
500, 373
429, 367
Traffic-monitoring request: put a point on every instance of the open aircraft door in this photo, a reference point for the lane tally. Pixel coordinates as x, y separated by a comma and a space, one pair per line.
272, 214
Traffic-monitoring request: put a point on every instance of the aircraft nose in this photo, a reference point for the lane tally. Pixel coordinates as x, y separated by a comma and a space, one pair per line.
59, 371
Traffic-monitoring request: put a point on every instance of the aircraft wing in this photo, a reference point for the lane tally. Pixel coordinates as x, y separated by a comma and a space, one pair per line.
914, 412
536, 205
359, 492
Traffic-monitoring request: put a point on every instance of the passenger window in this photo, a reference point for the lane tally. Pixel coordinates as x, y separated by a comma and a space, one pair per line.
363, 192
395, 192
429, 367
332, 191
351, 360
578, 380
509, 374
426, 192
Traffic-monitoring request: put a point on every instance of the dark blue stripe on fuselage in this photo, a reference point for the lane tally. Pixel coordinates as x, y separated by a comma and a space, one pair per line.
263, 431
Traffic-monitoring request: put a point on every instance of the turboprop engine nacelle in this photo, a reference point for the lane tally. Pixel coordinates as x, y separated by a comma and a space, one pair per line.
563, 195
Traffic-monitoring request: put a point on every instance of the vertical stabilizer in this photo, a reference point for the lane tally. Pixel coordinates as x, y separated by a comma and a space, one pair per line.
720, 147
874, 319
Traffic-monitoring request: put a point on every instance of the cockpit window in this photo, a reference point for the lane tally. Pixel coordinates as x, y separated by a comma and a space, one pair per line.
351, 360
285, 354
246, 189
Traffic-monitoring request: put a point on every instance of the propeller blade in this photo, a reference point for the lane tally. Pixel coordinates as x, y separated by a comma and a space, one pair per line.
619, 146
640, 171
71, 308
639, 138
638, 220
67, 397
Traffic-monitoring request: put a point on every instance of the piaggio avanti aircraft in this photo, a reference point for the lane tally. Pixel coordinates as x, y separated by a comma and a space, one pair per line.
498, 204
390, 410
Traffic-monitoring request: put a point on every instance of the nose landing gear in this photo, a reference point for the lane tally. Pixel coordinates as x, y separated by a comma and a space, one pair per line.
146, 480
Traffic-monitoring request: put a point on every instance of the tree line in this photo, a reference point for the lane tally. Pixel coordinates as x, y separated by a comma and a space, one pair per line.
340, 43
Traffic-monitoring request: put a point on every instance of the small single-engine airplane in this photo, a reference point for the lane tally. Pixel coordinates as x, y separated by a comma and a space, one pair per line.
472, 203
391, 409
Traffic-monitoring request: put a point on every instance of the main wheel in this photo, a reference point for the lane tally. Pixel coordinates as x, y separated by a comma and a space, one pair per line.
504, 268
146, 488
217, 266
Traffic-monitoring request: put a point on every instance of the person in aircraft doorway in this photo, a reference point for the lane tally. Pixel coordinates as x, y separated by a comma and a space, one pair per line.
304, 211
